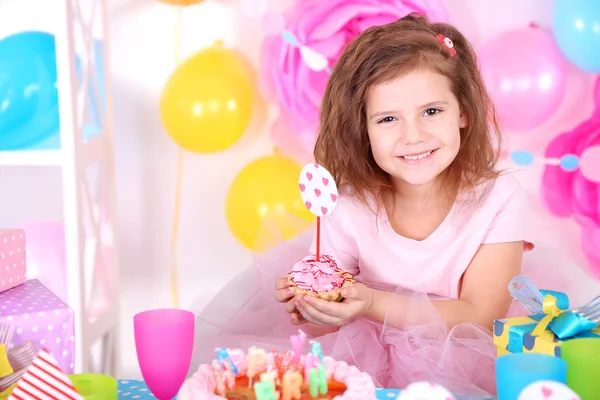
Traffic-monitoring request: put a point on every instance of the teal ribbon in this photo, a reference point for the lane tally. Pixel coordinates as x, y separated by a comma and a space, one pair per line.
565, 325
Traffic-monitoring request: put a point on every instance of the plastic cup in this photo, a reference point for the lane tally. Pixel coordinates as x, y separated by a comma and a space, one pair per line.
95, 386
514, 372
583, 363
164, 340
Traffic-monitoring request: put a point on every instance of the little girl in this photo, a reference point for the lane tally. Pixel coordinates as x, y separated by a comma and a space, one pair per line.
429, 225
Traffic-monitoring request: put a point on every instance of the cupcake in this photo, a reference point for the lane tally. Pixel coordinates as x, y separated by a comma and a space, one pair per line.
322, 278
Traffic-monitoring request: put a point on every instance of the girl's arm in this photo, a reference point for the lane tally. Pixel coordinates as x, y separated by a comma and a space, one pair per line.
483, 297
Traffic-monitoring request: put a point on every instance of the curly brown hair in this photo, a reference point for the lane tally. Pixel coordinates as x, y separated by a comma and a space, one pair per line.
383, 53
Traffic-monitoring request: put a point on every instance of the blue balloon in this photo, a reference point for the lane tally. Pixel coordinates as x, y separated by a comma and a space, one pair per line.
576, 25
28, 90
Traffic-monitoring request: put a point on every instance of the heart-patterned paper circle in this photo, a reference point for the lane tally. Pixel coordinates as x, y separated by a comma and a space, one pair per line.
548, 390
318, 190
425, 390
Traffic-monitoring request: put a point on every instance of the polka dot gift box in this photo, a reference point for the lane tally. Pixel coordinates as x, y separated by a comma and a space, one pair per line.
40, 316
12, 258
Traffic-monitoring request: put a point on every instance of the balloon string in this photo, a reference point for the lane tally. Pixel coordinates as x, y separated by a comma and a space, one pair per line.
179, 178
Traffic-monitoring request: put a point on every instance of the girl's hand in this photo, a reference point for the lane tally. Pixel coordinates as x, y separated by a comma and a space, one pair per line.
357, 301
285, 295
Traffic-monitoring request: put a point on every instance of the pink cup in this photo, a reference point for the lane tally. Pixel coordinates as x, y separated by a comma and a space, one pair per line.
164, 341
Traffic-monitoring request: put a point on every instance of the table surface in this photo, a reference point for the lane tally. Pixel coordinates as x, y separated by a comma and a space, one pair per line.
134, 389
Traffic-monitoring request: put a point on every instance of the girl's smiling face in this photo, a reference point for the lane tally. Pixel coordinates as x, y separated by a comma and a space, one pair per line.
414, 123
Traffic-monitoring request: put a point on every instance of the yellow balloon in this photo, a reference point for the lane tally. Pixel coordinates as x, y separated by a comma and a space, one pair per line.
206, 105
264, 206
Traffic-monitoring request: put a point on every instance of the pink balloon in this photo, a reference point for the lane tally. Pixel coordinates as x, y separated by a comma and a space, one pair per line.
46, 255
525, 74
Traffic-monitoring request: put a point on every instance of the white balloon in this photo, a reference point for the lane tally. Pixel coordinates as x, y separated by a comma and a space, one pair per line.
313, 59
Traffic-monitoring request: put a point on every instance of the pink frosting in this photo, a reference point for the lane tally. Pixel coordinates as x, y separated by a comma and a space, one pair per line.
359, 385
317, 276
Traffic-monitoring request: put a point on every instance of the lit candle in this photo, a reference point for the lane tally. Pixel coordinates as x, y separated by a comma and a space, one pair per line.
292, 386
309, 362
257, 360
264, 391
317, 384
297, 345
317, 350
223, 356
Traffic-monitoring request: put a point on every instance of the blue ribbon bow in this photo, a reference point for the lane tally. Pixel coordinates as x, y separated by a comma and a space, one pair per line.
551, 309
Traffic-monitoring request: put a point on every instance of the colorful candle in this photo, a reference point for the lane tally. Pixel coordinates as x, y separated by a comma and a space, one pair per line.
264, 391
297, 345
292, 386
317, 381
269, 376
257, 360
310, 362
222, 357
317, 350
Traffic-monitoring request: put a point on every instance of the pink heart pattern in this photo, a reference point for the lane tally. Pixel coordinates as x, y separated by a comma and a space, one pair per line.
318, 190
548, 390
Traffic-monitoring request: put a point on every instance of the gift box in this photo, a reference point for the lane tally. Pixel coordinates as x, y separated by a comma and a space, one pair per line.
545, 331
514, 335
12, 258
39, 316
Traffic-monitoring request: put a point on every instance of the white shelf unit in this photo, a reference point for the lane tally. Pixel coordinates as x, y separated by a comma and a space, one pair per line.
88, 185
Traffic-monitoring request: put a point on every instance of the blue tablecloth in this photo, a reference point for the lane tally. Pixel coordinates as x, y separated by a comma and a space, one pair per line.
138, 390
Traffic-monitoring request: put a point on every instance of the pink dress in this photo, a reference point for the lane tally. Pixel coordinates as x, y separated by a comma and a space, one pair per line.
245, 313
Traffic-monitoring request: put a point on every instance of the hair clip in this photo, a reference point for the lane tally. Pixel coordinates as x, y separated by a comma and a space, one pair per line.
448, 42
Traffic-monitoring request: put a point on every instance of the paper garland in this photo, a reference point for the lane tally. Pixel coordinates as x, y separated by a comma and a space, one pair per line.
313, 59
588, 163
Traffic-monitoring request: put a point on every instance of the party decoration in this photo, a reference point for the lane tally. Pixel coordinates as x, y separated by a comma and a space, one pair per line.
44, 379
548, 390
324, 27
292, 385
518, 77
317, 350
297, 342
313, 59
319, 193
223, 358
317, 381
575, 25
182, 2
590, 163
28, 89
425, 390
552, 321
576, 193
206, 105
263, 195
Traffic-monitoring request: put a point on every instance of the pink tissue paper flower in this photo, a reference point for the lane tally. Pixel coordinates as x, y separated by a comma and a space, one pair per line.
325, 26
569, 193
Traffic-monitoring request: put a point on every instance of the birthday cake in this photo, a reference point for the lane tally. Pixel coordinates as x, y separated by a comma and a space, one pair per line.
261, 375
322, 278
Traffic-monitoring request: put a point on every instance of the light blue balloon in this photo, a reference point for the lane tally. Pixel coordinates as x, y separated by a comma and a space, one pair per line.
28, 90
576, 25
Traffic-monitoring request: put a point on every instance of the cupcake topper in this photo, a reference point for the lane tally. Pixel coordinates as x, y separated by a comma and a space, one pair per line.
319, 193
